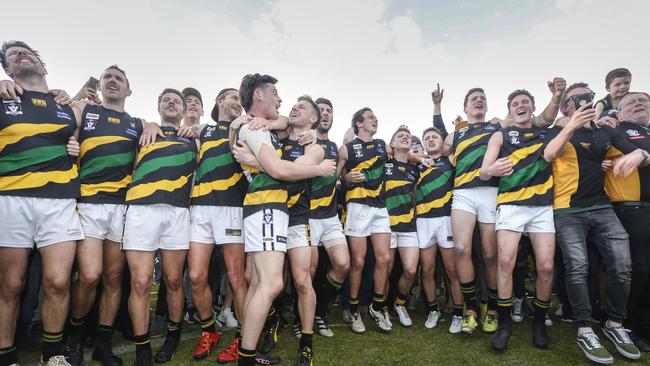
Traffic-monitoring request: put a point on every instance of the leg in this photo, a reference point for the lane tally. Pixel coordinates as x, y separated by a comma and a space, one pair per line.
428, 262
381, 248
507, 254
462, 226
358, 248
173, 261
301, 259
235, 259
114, 262
13, 264
544, 247
141, 269
89, 263
489, 248
198, 260
409, 257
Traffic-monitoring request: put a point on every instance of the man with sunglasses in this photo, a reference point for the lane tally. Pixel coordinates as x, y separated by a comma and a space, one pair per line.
582, 209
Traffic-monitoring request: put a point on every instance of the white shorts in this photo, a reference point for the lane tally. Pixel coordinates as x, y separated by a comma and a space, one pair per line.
26, 221
525, 219
363, 220
479, 201
159, 226
298, 236
216, 224
403, 240
266, 230
435, 230
327, 232
102, 221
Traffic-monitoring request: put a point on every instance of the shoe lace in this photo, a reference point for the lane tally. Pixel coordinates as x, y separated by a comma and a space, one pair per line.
516, 306
204, 341
456, 320
623, 334
593, 340
306, 352
233, 348
57, 361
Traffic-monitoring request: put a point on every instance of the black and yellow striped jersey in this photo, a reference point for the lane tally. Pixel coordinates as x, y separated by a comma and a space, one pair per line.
531, 182
469, 146
368, 158
34, 162
434, 189
108, 143
323, 189
264, 191
636, 186
219, 179
579, 181
298, 202
401, 179
163, 171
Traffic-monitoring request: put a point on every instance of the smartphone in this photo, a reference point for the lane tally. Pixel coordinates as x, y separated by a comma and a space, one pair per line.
582, 99
91, 83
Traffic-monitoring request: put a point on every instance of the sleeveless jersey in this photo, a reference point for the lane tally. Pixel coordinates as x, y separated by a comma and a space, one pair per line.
108, 143
531, 182
400, 183
434, 189
34, 162
298, 202
265, 192
219, 179
163, 171
323, 189
368, 158
469, 145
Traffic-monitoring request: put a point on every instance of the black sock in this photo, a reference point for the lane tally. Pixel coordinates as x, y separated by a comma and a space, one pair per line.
469, 293
306, 337
52, 344
378, 301
173, 329
354, 305
246, 357
326, 293
541, 307
492, 299
77, 327
504, 307
207, 325
458, 309
8, 356
104, 335
142, 342
431, 306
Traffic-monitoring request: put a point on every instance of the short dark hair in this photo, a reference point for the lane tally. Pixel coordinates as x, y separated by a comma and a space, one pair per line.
250, 83
564, 99
470, 92
115, 67
616, 73
221, 96
358, 117
322, 100
519, 92
430, 129
9, 44
307, 98
173, 91
415, 140
401, 128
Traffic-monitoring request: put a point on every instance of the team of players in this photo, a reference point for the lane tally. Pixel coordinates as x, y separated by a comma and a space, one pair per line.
262, 185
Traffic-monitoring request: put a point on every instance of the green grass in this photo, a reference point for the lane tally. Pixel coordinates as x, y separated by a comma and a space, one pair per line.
403, 346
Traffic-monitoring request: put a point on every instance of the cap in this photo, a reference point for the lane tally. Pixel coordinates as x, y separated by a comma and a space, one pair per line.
191, 91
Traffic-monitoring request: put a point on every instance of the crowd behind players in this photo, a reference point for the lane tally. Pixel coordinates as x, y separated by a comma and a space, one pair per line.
105, 195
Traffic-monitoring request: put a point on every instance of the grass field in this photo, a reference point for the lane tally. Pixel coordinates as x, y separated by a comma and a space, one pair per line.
403, 346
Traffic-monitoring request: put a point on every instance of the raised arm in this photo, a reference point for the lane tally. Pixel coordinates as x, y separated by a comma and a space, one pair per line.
557, 145
436, 97
556, 87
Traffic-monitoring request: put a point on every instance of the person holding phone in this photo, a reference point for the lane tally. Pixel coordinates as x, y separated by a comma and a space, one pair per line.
582, 209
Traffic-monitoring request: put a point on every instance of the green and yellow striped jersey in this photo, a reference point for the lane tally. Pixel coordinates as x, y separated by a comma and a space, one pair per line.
401, 179
469, 145
323, 189
368, 158
434, 189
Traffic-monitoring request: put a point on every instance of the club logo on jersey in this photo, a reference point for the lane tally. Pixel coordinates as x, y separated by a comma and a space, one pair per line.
633, 133
90, 125
13, 108
380, 149
113, 120
268, 217
462, 131
92, 116
209, 130
490, 127
357, 150
389, 168
585, 145
514, 137
39, 102
132, 124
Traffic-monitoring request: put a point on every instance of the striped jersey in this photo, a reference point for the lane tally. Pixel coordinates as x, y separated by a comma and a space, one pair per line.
108, 143
636, 186
434, 189
469, 145
577, 174
298, 202
323, 189
264, 192
401, 179
163, 171
34, 162
531, 182
368, 158
219, 179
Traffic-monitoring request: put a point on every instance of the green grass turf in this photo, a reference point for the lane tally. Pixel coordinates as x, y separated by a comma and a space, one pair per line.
403, 346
